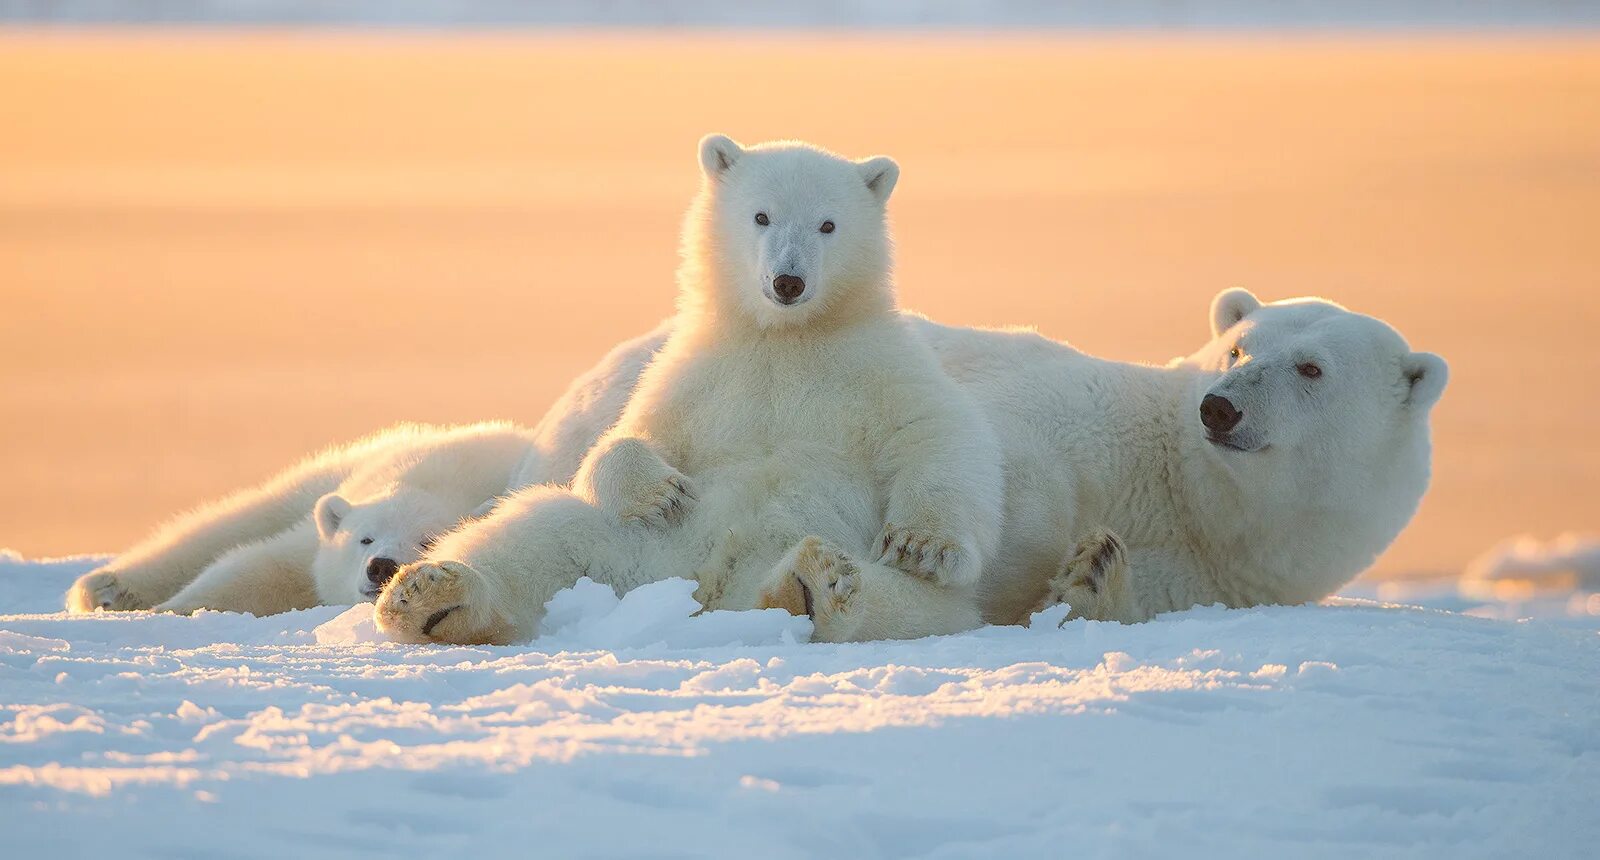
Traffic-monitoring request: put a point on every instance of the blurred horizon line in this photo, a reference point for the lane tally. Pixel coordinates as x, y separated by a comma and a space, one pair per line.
932, 15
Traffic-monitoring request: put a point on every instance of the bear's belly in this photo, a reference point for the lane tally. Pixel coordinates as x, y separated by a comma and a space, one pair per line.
772, 502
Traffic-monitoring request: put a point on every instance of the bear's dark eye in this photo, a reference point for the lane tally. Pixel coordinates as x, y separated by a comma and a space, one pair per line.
1235, 354
366, 541
827, 227
1309, 370
762, 219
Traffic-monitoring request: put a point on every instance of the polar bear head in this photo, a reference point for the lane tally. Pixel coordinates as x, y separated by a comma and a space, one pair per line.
362, 544
785, 233
1318, 417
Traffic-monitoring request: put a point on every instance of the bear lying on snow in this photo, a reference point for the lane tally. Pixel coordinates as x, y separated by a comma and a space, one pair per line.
261, 550
385, 499
1271, 466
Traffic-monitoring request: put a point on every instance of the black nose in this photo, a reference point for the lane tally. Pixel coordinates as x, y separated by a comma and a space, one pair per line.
1218, 413
381, 570
788, 287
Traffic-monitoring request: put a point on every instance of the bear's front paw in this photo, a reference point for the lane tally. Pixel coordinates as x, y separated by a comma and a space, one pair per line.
1093, 583
818, 580
919, 552
102, 590
443, 601
661, 503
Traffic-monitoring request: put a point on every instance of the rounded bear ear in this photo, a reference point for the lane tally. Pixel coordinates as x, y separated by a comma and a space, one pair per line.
1426, 375
1230, 306
718, 152
330, 511
880, 173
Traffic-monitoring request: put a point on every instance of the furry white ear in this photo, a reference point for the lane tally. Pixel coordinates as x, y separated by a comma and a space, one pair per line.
880, 173
1230, 306
330, 511
1427, 374
718, 152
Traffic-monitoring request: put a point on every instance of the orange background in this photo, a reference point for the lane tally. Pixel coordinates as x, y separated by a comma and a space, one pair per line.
221, 250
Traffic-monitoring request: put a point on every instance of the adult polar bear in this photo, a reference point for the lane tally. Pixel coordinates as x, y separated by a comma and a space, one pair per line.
1270, 466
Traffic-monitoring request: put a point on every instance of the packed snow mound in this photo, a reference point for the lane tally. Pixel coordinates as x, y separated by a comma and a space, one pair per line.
590, 615
636, 727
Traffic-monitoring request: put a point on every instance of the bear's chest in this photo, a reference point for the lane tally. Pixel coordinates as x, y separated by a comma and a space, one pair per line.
783, 407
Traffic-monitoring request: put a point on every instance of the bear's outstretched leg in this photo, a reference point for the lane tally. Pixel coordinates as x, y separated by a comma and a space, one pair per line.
1094, 581
262, 578
855, 601
160, 566
487, 584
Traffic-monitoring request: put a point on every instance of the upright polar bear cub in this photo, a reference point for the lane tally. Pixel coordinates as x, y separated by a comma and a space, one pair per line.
793, 436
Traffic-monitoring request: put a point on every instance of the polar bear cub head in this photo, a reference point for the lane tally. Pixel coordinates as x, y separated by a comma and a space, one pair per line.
363, 543
785, 233
1320, 417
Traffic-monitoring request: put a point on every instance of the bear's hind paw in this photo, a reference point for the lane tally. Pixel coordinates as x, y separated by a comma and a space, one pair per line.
102, 590
439, 602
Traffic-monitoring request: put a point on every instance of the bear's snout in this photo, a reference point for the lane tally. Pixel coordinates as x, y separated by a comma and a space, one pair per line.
381, 570
1219, 414
788, 288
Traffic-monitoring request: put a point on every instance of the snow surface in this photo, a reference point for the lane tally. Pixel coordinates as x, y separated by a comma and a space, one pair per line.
636, 730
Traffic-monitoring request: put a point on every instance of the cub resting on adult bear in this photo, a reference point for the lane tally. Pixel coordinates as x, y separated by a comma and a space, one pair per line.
793, 428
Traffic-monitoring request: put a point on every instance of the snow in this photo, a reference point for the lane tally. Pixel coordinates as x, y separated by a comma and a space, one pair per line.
636, 728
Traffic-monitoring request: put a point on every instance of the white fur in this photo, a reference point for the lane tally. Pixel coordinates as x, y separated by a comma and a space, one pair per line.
1336, 468
757, 424
392, 507
1090, 443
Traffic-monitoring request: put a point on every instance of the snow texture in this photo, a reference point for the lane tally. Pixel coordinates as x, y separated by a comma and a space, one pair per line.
636, 728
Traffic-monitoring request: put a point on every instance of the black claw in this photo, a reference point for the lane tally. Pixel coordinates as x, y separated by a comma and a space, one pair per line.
805, 594
435, 618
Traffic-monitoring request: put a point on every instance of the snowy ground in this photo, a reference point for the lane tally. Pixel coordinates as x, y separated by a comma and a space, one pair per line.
1352, 729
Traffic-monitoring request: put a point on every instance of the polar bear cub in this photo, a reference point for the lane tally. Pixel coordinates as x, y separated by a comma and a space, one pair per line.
794, 434
330, 530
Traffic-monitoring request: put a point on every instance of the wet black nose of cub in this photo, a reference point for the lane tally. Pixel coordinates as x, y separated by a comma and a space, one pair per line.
788, 287
381, 570
1218, 413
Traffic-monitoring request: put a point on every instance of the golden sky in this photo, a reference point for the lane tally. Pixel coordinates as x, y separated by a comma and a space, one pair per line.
220, 250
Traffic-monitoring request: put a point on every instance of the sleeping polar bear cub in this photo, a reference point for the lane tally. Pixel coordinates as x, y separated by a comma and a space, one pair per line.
329, 530
794, 434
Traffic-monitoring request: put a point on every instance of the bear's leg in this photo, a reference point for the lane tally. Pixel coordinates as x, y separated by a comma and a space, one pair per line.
262, 578
850, 600
1094, 581
627, 478
158, 568
487, 584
